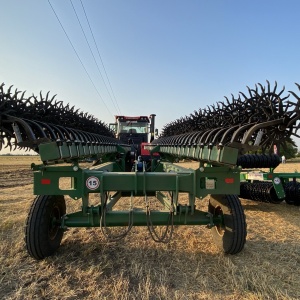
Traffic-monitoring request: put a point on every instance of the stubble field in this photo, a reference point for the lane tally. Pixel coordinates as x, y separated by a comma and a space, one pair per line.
86, 266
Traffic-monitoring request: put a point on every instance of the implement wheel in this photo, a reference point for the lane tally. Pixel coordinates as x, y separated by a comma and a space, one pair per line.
42, 231
230, 235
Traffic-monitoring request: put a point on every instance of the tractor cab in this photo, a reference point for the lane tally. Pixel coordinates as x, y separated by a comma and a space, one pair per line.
137, 132
132, 130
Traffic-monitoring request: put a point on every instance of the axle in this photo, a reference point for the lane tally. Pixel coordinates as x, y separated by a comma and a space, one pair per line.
138, 218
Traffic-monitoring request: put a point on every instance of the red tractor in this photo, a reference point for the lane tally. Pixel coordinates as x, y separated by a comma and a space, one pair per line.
137, 132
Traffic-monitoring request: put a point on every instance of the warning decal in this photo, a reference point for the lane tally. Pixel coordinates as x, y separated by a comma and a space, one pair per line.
92, 183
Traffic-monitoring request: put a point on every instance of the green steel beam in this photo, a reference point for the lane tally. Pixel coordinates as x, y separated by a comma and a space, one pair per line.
112, 201
164, 200
217, 155
58, 180
139, 218
104, 178
260, 175
63, 151
217, 180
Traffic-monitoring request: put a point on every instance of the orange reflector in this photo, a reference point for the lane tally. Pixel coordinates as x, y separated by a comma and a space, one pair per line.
45, 181
229, 180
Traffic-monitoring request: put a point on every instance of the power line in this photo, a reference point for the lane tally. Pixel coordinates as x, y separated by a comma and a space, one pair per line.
93, 55
79, 58
100, 55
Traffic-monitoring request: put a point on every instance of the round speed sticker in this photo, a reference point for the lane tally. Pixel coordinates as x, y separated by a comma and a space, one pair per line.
92, 183
277, 180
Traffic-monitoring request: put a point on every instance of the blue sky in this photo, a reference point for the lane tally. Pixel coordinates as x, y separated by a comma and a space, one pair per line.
164, 57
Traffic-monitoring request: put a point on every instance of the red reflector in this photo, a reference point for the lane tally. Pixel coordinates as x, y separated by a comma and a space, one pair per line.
270, 176
229, 180
45, 181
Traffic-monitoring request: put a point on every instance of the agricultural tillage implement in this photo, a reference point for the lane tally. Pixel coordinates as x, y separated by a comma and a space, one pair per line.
218, 137
270, 186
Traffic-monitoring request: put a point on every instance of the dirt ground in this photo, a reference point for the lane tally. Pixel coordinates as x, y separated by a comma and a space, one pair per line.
86, 266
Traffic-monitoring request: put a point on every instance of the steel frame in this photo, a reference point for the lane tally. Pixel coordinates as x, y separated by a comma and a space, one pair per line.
110, 178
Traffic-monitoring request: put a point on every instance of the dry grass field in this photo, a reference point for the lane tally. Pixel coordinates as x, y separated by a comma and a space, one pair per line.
189, 267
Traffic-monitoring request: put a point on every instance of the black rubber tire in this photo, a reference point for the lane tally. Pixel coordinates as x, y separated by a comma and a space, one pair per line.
273, 198
292, 193
231, 235
42, 237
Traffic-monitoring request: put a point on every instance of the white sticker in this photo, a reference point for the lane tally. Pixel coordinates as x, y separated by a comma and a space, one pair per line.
210, 184
277, 180
255, 176
92, 183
